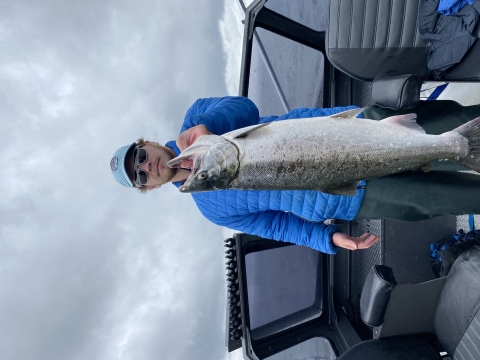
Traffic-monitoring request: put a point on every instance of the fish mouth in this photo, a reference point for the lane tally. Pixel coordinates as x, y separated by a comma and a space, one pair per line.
182, 163
191, 163
183, 189
187, 157
186, 186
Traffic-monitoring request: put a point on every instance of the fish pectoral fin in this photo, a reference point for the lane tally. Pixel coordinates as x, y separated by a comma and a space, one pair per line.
353, 113
244, 131
408, 121
345, 189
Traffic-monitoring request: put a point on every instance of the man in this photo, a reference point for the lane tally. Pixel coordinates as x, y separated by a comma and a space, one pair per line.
296, 216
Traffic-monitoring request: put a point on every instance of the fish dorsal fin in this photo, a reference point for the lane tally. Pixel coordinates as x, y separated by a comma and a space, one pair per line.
235, 134
353, 113
348, 189
408, 121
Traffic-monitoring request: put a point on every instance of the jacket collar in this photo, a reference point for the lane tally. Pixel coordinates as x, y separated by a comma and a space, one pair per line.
172, 145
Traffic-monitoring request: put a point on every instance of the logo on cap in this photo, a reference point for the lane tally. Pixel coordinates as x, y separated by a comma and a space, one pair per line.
114, 163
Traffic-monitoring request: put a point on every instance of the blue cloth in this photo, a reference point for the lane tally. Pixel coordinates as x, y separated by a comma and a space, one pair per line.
449, 7
286, 215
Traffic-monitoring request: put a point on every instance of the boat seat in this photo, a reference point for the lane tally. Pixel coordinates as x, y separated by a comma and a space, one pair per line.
455, 319
368, 38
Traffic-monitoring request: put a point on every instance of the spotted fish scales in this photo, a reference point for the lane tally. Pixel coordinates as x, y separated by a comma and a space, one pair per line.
331, 154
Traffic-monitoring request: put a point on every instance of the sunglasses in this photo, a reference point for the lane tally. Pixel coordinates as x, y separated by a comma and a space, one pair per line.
139, 158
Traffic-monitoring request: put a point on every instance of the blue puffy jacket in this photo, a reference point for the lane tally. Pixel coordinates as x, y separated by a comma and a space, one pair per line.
295, 216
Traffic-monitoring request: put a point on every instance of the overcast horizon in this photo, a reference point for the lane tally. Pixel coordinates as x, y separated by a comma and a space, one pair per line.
89, 269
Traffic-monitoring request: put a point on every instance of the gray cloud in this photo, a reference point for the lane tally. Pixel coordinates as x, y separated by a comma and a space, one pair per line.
90, 269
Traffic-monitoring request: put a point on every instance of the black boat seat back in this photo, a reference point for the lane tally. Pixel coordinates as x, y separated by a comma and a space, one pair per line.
457, 317
368, 38
456, 321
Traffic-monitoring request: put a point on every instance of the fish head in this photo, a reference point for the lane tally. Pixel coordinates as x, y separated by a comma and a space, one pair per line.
213, 165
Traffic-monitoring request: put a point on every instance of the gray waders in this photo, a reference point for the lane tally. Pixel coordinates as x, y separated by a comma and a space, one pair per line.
414, 195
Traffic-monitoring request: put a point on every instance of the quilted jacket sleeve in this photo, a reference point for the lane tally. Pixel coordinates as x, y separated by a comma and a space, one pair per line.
283, 226
308, 113
221, 115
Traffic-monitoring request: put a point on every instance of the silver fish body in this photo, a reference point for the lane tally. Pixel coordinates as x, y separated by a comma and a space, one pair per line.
331, 154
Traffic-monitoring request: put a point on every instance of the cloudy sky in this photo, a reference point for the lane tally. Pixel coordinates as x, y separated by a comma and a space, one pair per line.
89, 269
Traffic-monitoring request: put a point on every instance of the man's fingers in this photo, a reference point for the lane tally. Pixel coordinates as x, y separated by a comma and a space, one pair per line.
352, 243
188, 137
182, 141
364, 236
368, 241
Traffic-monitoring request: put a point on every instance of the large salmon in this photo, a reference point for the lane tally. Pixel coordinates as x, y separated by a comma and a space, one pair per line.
331, 154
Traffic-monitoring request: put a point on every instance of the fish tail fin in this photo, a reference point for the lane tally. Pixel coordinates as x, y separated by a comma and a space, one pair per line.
471, 131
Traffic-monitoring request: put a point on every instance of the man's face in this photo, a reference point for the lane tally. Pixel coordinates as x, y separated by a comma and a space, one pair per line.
158, 173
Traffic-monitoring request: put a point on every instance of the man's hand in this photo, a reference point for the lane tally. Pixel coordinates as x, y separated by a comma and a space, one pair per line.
188, 137
354, 243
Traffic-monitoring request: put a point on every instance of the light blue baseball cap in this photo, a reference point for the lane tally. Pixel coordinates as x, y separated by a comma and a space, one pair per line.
117, 165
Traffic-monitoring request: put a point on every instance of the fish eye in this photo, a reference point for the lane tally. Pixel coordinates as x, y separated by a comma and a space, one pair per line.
202, 176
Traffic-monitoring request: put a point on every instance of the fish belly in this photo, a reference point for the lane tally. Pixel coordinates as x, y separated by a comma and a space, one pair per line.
319, 155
